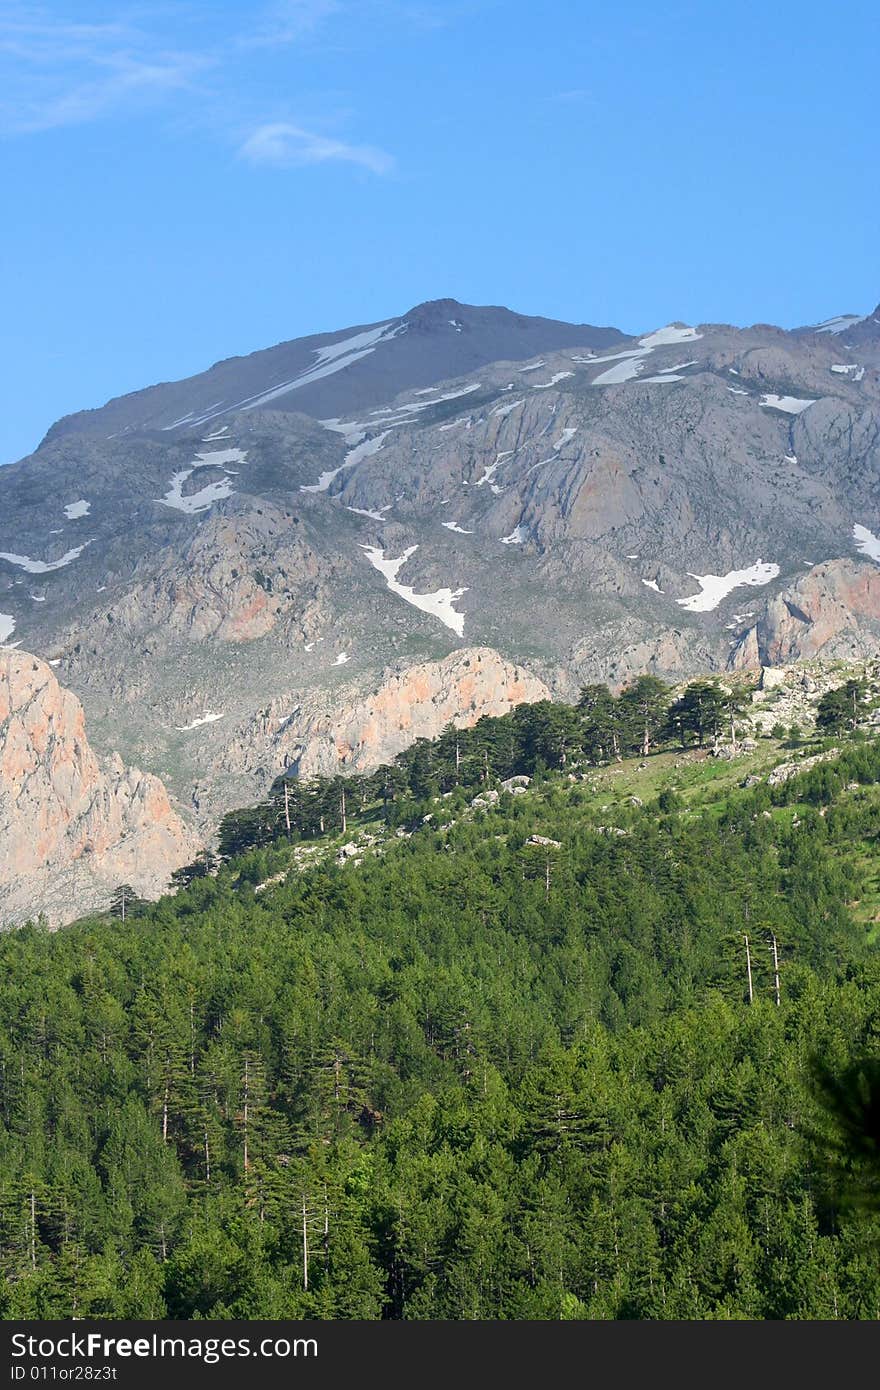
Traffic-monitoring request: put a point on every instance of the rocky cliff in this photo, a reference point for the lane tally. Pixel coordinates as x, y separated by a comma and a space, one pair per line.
362, 731
418, 703
832, 611
72, 827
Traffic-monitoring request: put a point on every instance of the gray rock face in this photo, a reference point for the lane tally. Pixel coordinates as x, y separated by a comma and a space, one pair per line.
228, 570
333, 374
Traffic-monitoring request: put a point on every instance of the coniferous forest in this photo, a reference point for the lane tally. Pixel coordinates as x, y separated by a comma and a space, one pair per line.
558, 1054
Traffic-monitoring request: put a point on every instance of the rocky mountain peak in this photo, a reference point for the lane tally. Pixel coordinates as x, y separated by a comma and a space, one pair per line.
290, 560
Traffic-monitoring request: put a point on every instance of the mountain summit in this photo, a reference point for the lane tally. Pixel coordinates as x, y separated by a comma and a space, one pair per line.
333, 374
305, 557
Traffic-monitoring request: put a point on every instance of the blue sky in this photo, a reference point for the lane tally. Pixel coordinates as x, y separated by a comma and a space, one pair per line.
188, 181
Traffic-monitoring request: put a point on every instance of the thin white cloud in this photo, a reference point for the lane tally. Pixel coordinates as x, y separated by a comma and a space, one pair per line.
131, 81
284, 146
286, 21
57, 74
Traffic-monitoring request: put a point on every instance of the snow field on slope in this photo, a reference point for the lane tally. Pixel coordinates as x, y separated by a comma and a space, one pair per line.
439, 604
25, 562
206, 718
715, 587
212, 492
792, 405
866, 542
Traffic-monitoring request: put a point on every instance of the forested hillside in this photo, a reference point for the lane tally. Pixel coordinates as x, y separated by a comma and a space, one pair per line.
565, 1054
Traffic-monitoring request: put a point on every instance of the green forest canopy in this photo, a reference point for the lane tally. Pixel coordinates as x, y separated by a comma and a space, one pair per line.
477, 1076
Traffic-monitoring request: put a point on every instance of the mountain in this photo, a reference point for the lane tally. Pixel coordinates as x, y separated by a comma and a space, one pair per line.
235, 572
333, 374
854, 329
72, 826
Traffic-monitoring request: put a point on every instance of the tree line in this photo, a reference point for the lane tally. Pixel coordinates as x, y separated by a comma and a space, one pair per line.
648, 716
531, 740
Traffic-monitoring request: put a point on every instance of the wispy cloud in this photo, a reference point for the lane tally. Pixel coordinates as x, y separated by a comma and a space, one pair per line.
287, 146
58, 74
286, 21
55, 74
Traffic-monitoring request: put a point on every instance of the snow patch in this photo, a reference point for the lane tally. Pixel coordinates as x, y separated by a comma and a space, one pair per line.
212, 492
792, 405
844, 370
630, 361
715, 587
351, 430
413, 406
342, 658
74, 510
365, 450
438, 604
453, 526
489, 473
652, 584
839, 324
7, 627
365, 511
567, 434
219, 458
361, 451
866, 542
518, 536
206, 718
24, 562
671, 373
328, 361
557, 376
627, 366
737, 391
662, 337
503, 410
197, 501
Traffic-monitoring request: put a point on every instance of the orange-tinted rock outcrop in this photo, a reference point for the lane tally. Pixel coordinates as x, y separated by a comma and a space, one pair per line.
72, 826
833, 611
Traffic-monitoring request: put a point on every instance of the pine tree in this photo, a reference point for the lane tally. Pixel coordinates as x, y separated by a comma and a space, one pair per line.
125, 902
